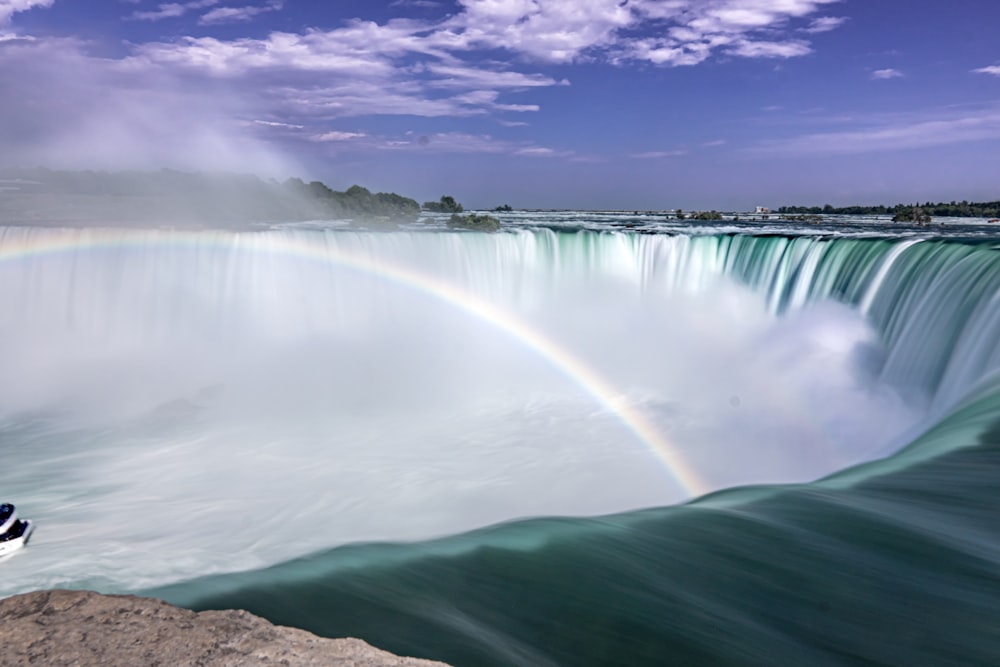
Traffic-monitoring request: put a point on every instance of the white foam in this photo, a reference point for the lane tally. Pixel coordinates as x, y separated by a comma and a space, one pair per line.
227, 408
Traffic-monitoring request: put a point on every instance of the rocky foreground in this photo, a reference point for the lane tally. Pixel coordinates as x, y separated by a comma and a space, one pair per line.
80, 628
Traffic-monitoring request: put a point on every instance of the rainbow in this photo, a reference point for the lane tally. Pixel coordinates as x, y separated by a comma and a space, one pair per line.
17, 243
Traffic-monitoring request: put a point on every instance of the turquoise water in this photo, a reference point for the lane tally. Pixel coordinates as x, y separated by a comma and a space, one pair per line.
898, 570
351, 432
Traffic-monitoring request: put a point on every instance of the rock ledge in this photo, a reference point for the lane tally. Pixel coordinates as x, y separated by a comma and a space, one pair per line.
83, 629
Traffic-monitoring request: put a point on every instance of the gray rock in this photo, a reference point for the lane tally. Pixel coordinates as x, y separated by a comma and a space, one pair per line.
81, 628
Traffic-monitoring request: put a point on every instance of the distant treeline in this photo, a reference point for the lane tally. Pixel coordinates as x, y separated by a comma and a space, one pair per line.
171, 194
960, 209
357, 201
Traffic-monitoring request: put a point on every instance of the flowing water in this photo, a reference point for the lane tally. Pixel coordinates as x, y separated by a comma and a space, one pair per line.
325, 426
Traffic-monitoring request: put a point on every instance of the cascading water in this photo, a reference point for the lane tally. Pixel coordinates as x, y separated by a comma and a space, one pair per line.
179, 402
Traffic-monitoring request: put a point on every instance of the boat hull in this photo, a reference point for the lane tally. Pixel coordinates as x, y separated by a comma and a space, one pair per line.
16, 537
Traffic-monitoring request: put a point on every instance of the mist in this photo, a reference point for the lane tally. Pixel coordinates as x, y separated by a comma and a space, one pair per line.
259, 377
65, 109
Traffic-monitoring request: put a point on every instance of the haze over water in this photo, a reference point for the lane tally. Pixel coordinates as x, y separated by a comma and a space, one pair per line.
198, 402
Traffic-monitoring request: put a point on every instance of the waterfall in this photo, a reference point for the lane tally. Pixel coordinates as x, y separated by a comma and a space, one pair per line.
410, 384
932, 303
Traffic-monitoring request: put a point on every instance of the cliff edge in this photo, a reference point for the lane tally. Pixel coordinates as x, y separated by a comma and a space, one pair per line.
82, 628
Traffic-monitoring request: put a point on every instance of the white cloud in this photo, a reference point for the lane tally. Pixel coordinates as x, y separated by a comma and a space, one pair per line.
825, 24
789, 49
356, 97
274, 123
462, 76
170, 10
300, 82
673, 32
894, 133
336, 135
887, 74
991, 69
657, 155
691, 31
464, 142
536, 151
10, 7
424, 67
363, 47
237, 14
362, 68
477, 98
548, 30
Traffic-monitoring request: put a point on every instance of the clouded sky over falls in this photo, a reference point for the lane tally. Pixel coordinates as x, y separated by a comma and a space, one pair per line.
536, 103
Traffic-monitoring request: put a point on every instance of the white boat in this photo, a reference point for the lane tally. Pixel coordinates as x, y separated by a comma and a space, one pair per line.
14, 532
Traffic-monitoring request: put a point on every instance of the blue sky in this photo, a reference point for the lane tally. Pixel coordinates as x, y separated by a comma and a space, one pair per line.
537, 103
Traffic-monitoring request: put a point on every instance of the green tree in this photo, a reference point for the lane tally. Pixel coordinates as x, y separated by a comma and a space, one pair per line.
911, 214
446, 205
473, 221
707, 215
